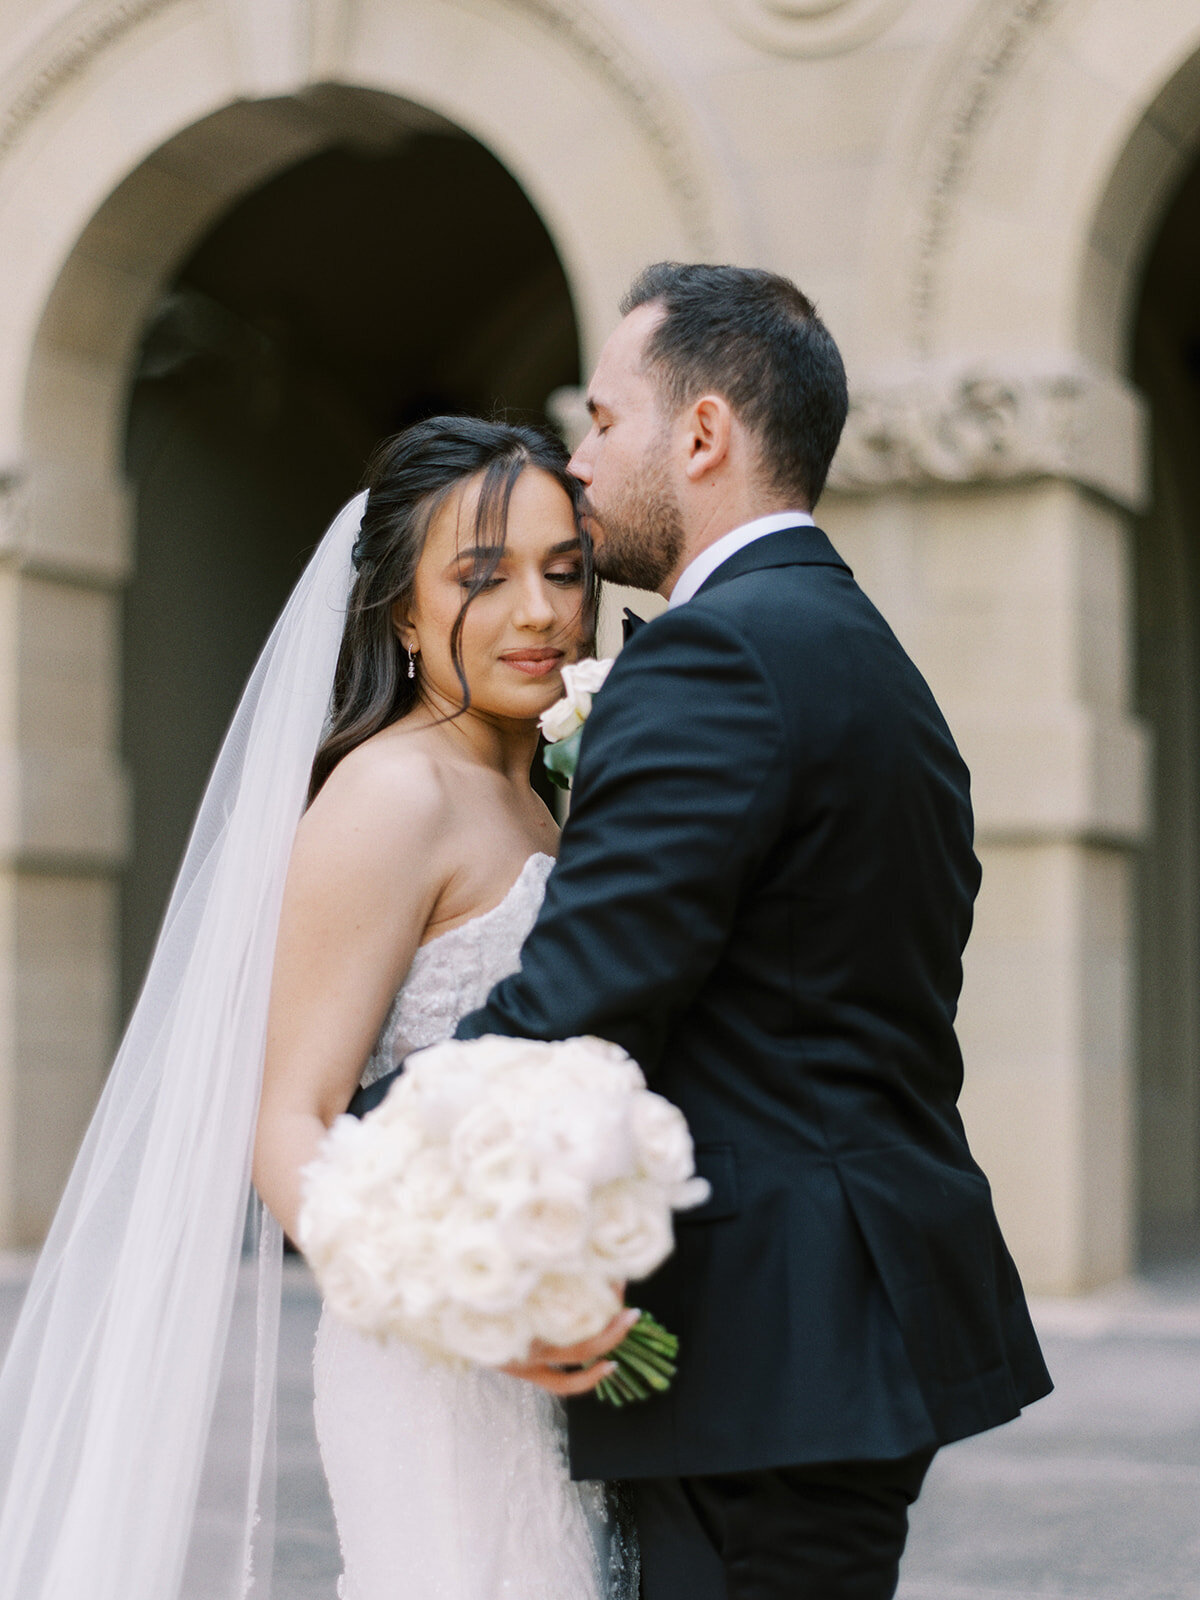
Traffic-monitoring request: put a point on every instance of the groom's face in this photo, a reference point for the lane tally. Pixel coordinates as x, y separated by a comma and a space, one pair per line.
626, 464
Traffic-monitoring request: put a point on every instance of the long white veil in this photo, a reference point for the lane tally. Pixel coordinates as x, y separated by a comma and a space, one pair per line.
136, 1402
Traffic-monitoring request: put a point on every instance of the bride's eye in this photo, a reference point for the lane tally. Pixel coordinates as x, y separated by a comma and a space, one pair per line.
566, 576
468, 582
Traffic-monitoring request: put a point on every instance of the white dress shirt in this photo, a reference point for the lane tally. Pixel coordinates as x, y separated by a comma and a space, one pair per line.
707, 562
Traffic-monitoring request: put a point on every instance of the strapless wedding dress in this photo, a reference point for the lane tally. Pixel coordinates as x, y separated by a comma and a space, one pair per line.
451, 1482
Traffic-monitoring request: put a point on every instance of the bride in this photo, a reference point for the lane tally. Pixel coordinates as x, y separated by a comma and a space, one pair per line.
365, 866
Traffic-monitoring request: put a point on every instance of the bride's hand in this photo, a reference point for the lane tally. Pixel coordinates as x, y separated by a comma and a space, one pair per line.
576, 1368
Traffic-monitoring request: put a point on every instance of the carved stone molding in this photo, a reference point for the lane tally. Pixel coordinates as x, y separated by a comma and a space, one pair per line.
64, 55
810, 27
1000, 43
649, 99
987, 426
70, 49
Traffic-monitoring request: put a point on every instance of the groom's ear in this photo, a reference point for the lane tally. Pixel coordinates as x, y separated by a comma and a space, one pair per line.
710, 430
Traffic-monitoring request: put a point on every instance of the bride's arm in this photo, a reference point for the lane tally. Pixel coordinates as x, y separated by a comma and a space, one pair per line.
365, 874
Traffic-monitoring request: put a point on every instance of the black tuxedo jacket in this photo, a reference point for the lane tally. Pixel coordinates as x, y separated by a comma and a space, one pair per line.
763, 894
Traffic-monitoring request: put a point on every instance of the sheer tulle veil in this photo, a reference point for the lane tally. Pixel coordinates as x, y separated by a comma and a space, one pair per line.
136, 1401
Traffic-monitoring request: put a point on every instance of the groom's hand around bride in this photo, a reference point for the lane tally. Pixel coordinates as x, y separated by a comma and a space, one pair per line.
577, 1368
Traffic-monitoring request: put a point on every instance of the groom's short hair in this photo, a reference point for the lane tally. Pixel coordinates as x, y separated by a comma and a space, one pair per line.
754, 338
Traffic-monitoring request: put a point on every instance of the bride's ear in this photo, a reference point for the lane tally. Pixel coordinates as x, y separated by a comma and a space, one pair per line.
402, 625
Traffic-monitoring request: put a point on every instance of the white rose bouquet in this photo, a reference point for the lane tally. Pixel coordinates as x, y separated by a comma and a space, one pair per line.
562, 723
498, 1196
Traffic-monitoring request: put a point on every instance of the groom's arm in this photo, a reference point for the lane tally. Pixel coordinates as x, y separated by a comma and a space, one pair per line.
679, 792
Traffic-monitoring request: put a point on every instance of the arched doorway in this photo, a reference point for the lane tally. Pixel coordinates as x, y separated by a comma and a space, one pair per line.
1166, 367
371, 283
260, 298
132, 137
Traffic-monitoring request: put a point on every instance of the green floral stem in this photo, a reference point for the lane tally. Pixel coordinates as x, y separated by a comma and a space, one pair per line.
643, 1361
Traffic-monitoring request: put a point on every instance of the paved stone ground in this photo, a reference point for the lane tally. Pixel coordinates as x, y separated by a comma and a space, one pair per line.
1093, 1495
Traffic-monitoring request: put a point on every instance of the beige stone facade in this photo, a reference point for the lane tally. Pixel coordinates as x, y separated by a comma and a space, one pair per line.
985, 198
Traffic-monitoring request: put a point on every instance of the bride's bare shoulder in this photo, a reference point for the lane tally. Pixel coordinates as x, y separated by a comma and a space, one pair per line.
389, 792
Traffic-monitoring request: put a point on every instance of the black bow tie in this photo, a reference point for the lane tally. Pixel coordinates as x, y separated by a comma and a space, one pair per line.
630, 623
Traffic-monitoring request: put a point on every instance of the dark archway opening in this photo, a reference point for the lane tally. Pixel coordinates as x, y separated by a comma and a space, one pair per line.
357, 291
1167, 370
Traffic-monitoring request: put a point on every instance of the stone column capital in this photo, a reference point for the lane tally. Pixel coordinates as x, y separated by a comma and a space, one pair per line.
993, 422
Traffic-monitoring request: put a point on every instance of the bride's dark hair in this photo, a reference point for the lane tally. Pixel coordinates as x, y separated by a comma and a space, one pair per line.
408, 480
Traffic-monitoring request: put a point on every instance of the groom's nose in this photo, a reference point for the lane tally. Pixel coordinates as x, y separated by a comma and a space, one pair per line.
580, 464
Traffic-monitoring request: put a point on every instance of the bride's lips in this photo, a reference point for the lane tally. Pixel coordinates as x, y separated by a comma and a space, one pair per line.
533, 663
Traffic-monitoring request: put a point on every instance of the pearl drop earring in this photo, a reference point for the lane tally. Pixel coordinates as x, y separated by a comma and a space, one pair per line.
412, 665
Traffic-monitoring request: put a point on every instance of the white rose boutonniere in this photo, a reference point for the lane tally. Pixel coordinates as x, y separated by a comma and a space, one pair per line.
562, 723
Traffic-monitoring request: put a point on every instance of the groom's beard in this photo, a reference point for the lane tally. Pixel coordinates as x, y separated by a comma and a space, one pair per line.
641, 533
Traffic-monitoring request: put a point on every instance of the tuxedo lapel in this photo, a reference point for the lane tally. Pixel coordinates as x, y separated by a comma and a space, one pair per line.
803, 546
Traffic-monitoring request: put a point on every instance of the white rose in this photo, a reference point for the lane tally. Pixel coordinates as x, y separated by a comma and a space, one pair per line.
355, 1284
438, 1092
596, 1064
662, 1138
586, 677
330, 1186
550, 1224
503, 1182
580, 683
489, 1338
428, 1186
568, 1307
631, 1229
586, 1134
692, 1192
494, 1052
484, 1135
560, 721
481, 1272
373, 1170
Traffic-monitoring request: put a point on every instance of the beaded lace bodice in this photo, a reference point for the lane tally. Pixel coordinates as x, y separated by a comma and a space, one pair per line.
455, 971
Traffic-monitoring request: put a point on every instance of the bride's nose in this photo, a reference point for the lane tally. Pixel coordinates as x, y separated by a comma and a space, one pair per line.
534, 608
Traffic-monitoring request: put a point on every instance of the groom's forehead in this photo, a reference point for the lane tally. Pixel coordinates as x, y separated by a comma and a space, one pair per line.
622, 360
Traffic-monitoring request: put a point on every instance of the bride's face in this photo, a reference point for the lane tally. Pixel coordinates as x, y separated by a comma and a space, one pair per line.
528, 621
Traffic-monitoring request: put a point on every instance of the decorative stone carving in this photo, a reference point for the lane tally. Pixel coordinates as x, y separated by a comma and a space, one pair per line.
985, 426
67, 53
999, 45
70, 49
974, 426
810, 27
649, 98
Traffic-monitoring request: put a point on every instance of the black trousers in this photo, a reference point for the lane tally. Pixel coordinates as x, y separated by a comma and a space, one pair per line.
831, 1531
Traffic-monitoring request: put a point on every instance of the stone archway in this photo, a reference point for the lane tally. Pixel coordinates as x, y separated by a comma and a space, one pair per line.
206, 336
390, 275
144, 120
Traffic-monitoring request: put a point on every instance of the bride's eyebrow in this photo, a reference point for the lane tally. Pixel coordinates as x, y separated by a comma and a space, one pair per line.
477, 552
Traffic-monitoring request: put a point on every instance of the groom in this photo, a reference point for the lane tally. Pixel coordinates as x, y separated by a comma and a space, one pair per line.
763, 894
